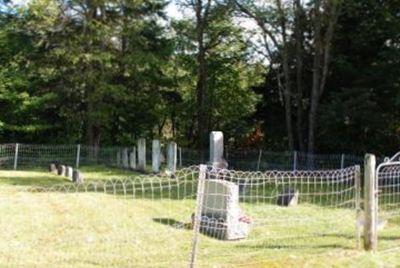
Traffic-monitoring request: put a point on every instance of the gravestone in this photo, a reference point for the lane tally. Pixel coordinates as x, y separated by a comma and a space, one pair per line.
61, 170
142, 155
77, 176
221, 215
118, 158
125, 158
155, 159
217, 150
171, 158
288, 197
162, 158
53, 168
69, 172
132, 159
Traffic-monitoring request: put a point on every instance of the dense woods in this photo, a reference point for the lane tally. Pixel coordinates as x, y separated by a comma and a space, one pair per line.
313, 76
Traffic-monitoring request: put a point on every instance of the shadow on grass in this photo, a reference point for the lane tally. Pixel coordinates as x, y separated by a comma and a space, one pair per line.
40, 177
32, 181
173, 223
294, 243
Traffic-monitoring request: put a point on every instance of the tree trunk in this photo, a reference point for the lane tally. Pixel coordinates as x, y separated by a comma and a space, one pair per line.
316, 78
287, 92
299, 73
201, 86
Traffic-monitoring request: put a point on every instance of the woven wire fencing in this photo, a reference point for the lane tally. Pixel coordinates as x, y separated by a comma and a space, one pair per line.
388, 218
264, 211
150, 221
22, 156
141, 221
27, 156
261, 160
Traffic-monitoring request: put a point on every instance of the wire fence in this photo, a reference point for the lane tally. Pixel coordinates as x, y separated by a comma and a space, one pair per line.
276, 209
152, 221
20, 156
162, 221
387, 224
261, 160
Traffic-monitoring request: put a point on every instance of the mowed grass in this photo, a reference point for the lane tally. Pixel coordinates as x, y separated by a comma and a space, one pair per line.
95, 228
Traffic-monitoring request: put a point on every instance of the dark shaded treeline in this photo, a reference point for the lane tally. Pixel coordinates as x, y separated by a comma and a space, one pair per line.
108, 72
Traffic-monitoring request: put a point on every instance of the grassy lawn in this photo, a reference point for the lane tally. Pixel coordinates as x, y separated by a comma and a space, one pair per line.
105, 226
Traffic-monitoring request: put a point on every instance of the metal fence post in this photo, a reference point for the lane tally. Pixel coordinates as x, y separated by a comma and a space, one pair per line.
78, 155
370, 235
16, 156
342, 161
259, 159
294, 160
197, 215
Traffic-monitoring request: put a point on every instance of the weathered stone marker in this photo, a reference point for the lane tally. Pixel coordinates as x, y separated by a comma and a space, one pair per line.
69, 172
77, 176
132, 158
288, 197
61, 170
125, 158
142, 154
217, 150
171, 158
221, 215
118, 158
156, 158
53, 168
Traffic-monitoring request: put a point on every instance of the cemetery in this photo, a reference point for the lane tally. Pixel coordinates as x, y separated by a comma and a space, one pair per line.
199, 133
198, 216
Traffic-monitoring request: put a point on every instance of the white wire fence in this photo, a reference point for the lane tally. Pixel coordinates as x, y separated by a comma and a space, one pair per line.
23, 156
264, 211
387, 225
203, 217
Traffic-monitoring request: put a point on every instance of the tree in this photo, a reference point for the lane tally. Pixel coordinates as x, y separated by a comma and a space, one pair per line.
285, 52
217, 78
106, 57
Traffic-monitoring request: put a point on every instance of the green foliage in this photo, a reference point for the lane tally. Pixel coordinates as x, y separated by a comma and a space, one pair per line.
111, 71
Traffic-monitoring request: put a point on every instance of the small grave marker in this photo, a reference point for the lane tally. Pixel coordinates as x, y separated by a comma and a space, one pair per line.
288, 197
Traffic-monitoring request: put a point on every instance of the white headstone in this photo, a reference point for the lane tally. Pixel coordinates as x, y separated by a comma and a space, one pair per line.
217, 150
132, 158
61, 170
77, 177
155, 150
171, 157
142, 154
69, 172
53, 168
125, 159
221, 213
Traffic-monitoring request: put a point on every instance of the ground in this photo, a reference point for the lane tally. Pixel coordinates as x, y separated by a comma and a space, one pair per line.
138, 225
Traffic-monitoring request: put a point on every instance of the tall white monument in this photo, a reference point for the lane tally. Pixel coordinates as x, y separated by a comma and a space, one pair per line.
217, 150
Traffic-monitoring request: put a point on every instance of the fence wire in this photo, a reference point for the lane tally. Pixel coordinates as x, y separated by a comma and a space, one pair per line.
297, 210
29, 156
147, 221
388, 188
142, 221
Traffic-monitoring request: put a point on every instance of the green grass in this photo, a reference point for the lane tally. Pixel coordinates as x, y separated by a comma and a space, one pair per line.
97, 228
